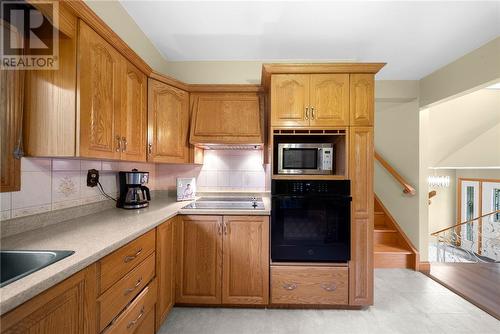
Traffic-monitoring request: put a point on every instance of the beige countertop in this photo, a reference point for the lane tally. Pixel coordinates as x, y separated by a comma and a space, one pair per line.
91, 237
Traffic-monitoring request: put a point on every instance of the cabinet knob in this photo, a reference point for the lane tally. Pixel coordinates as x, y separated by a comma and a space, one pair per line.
330, 287
290, 286
118, 144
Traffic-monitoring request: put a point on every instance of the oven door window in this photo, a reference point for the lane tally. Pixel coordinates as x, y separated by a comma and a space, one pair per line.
300, 158
310, 228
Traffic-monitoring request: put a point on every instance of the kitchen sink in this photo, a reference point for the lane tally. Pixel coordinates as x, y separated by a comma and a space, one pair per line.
17, 264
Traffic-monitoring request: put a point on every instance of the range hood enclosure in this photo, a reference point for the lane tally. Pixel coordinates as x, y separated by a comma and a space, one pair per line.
227, 120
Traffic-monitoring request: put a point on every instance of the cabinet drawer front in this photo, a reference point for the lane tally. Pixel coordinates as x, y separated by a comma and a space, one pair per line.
138, 317
114, 266
123, 291
309, 285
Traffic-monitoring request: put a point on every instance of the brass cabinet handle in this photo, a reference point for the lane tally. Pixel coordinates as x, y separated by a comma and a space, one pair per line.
124, 141
219, 228
225, 228
118, 144
290, 286
330, 287
307, 113
129, 290
129, 258
312, 112
133, 322
150, 148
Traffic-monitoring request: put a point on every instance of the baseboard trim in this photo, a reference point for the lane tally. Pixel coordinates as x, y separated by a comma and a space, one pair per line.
424, 267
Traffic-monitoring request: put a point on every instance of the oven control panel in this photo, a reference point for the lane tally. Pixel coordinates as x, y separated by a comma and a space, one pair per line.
291, 187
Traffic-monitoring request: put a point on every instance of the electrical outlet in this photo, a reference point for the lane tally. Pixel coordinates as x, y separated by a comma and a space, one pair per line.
92, 177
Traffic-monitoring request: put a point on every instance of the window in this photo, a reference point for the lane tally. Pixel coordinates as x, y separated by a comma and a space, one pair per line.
496, 204
469, 211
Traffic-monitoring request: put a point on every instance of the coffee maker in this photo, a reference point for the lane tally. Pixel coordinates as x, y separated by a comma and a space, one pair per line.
133, 192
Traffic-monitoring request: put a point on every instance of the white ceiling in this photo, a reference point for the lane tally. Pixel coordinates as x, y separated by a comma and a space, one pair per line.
413, 37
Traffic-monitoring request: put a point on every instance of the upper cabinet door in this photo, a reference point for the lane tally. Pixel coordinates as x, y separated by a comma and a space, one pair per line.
168, 118
134, 114
329, 100
362, 99
289, 100
100, 68
226, 118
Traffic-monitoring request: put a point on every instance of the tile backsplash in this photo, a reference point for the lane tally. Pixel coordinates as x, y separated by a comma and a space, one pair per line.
51, 184
232, 170
222, 170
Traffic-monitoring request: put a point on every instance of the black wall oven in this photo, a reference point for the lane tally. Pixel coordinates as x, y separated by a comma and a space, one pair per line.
310, 221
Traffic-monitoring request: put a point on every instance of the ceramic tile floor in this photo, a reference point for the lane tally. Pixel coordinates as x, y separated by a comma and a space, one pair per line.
405, 302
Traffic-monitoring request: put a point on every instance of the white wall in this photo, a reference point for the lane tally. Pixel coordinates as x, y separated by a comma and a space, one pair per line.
124, 26
397, 141
465, 131
477, 68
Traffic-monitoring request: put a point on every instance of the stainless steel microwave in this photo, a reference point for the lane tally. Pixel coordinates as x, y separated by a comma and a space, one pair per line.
305, 158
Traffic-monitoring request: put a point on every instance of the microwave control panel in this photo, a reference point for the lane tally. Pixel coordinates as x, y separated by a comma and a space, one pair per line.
327, 159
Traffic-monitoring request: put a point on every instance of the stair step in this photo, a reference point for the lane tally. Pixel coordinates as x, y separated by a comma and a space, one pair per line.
390, 249
379, 219
384, 229
385, 237
393, 260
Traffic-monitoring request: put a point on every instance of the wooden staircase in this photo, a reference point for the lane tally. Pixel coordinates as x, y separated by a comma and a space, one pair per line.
392, 248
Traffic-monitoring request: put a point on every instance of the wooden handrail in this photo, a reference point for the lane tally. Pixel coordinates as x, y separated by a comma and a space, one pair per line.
407, 188
465, 222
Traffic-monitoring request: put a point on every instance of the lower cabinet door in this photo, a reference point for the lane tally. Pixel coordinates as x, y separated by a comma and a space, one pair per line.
63, 309
245, 278
165, 269
200, 260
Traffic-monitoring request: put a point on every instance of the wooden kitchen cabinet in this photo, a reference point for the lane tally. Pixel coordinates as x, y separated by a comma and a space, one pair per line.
165, 270
67, 308
11, 115
329, 100
168, 123
99, 96
245, 270
289, 100
223, 260
200, 260
226, 118
134, 114
316, 100
361, 175
362, 99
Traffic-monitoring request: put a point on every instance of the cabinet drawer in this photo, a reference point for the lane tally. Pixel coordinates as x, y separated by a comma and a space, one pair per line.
114, 266
309, 285
112, 302
138, 317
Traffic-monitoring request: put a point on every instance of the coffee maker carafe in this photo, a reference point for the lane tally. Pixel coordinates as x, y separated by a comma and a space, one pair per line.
133, 192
